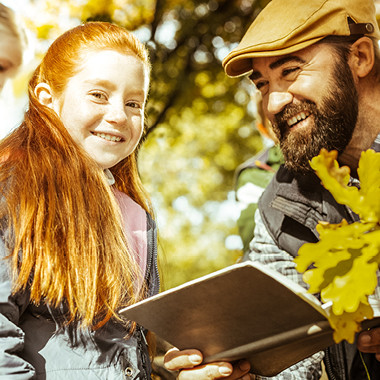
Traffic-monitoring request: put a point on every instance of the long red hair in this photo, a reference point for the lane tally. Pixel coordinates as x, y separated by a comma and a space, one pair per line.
66, 239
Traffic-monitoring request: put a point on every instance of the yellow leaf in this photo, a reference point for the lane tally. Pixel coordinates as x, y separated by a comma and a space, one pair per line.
369, 174
347, 325
347, 291
364, 202
343, 265
326, 164
334, 178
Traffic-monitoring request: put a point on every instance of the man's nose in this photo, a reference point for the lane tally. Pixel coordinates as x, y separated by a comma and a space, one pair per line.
277, 101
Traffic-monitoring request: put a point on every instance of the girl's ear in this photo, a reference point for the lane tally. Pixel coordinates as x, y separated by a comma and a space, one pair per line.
44, 94
362, 57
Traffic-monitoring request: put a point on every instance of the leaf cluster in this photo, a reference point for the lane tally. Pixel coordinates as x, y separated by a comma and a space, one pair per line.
343, 265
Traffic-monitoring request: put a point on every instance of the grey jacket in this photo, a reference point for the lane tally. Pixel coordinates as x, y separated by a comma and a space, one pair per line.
290, 209
35, 344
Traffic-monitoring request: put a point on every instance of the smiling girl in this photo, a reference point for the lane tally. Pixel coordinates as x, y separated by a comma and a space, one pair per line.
12, 43
77, 239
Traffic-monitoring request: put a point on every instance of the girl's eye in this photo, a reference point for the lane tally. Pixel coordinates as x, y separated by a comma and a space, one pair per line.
133, 104
99, 95
5, 65
4, 68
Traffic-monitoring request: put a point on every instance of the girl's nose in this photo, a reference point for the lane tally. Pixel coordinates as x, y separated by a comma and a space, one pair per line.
116, 114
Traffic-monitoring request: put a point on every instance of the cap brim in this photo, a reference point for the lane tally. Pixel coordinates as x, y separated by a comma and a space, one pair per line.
239, 62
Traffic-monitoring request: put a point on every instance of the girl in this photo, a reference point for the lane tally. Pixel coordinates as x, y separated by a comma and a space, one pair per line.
12, 46
77, 238
12, 43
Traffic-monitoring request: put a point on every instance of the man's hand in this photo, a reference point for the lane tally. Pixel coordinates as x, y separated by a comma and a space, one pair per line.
188, 362
369, 341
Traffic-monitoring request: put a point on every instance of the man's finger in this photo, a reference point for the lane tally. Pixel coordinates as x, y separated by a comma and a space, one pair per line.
369, 341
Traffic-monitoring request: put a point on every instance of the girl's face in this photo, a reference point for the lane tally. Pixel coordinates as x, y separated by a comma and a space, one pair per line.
102, 106
10, 56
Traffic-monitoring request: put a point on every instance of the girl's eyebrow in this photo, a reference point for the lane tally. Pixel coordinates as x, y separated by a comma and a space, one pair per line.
101, 82
112, 86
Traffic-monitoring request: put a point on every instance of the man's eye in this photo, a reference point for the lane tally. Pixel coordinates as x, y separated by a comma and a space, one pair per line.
286, 72
260, 85
257, 83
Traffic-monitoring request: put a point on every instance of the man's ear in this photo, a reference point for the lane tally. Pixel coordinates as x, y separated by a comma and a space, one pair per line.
44, 94
362, 57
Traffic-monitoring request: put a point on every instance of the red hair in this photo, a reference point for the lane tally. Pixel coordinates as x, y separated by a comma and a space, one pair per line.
67, 243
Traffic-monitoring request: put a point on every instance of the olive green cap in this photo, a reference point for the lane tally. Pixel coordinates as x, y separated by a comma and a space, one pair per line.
286, 26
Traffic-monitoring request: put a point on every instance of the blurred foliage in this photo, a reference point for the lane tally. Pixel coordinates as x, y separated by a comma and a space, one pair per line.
201, 122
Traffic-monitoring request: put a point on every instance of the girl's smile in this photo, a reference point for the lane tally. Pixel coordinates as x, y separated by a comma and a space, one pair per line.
108, 137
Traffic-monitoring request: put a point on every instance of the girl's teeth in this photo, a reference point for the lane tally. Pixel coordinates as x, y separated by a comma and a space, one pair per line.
108, 137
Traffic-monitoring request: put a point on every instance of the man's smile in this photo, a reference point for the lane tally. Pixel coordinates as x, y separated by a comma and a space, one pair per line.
297, 118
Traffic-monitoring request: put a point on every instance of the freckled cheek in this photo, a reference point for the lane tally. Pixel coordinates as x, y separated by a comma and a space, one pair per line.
137, 124
78, 124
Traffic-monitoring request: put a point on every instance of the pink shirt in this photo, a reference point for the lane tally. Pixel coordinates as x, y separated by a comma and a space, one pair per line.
134, 222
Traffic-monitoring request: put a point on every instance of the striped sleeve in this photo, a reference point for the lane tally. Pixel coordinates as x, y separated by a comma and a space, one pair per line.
264, 250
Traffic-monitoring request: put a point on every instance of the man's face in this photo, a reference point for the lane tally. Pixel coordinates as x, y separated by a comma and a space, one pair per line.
310, 97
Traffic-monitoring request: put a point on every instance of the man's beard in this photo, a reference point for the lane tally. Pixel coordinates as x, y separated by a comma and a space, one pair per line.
334, 122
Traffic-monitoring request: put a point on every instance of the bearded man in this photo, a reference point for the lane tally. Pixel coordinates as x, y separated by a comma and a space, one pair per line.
317, 65
318, 73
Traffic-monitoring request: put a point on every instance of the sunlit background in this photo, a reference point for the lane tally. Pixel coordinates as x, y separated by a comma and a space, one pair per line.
202, 124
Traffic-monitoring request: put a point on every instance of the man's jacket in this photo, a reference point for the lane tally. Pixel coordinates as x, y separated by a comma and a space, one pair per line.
291, 209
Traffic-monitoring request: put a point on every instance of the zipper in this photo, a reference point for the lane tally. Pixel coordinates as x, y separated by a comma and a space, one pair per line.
151, 260
152, 252
328, 367
143, 335
143, 350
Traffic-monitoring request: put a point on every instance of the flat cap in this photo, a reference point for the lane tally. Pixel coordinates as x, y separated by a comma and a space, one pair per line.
286, 26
